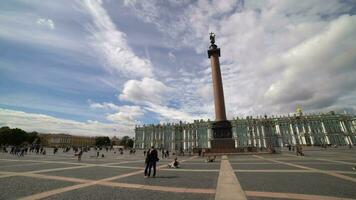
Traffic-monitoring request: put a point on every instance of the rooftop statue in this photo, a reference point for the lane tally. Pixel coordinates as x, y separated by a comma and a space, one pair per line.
212, 38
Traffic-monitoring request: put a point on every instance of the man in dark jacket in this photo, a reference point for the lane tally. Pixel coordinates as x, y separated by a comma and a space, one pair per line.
152, 160
147, 162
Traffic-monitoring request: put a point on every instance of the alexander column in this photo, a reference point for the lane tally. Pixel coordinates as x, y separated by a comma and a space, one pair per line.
222, 134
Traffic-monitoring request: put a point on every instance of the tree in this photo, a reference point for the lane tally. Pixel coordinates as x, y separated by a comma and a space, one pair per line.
102, 141
17, 136
126, 141
33, 138
14, 136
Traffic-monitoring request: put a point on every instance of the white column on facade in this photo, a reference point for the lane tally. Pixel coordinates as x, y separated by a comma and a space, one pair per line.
189, 138
251, 136
143, 139
324, 131
303, 126
263, 136
310, 135
346, 140
343, 127
303, 136
234, 135
311, 140
209, 137
196, 138
350, 141
258, 144
300, 136
254, 135
292, 134
278, 129
184, 140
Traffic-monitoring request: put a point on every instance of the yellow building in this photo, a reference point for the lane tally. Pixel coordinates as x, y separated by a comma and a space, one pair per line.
64, 140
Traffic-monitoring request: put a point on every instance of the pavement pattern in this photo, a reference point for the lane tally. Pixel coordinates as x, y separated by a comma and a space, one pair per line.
320, 174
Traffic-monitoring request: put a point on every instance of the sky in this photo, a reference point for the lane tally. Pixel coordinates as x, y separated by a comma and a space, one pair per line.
91, 67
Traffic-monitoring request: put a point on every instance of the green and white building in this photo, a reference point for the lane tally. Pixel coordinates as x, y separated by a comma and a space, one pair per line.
311, 129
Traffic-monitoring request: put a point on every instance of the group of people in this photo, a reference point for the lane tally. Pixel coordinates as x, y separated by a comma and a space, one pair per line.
23, 150
151, 159
298, 149
150, 162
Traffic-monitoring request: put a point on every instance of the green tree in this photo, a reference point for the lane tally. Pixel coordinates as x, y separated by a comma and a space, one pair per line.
126, 141
102, 141
17, 136
33, 138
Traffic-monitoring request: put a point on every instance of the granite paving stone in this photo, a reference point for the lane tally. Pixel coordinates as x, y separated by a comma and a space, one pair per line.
15, 187
92, 173
303, 183
93, 192
176, 179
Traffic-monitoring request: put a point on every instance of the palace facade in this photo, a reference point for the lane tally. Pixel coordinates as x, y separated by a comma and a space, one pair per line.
66, 140
261, 132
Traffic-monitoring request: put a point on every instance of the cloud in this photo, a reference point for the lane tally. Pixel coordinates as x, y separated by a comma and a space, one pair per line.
274, 56
45, 22
333, 53
144, 91
126, 113
104, 105
168, 114
48, 124
112, 44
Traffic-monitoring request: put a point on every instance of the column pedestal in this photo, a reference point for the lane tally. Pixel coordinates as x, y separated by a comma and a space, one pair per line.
222, 137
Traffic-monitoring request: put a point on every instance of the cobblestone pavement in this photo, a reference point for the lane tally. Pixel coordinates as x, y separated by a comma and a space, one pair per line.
320, 174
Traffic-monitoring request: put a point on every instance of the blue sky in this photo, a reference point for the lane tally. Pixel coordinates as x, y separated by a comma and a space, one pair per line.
100, 67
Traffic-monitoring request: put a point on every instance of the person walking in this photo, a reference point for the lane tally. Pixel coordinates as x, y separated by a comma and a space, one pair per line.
80, 155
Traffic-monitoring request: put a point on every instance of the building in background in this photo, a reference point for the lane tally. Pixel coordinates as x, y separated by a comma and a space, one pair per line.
65, 140
261, 132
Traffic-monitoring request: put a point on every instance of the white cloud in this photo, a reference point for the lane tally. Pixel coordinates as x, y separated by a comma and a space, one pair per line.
275, 55
126, 114
48, 124
46, 22
112, 44
104, 105
146, 90
168, 114
333, 53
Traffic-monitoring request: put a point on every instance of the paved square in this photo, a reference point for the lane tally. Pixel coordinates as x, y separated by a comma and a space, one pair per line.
320, 174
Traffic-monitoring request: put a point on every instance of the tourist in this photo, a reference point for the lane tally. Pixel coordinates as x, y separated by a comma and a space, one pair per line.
153, 159
299, 150
80, 155
147, 162
167, 154
163, 153
210, 159
174, 164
